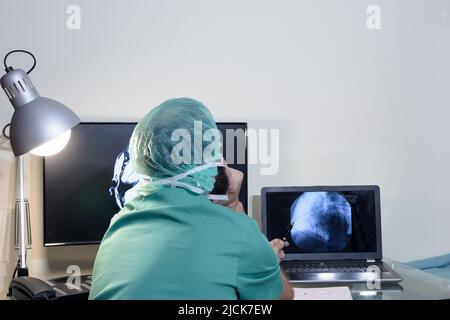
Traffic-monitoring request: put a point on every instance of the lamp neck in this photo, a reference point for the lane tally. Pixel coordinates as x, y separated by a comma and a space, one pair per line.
18, 87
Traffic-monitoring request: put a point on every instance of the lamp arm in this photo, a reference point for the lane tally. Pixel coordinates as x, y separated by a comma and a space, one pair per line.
23, 269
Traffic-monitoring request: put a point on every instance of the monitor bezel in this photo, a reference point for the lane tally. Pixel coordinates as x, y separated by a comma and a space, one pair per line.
78, 243
376, 255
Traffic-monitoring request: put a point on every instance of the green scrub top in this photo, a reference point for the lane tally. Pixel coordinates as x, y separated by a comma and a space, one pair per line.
173, 244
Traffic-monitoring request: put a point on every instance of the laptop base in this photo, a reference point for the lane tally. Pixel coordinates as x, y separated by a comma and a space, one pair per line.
339, 272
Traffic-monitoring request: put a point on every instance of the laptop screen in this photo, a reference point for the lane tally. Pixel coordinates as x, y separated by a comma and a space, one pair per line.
323, 220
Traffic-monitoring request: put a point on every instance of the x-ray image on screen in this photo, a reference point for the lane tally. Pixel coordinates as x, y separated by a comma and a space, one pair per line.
321, 222
124, 179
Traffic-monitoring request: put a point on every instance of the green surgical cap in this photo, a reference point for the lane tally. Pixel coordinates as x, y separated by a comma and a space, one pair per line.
160, 135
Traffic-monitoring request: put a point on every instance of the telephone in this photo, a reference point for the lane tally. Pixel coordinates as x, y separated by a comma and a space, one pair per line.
29, 288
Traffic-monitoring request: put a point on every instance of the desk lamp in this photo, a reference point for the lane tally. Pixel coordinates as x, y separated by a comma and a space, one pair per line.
39, 125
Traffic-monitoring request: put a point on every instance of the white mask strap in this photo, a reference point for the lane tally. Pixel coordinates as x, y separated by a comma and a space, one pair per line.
218, 197
194, 170
174, 181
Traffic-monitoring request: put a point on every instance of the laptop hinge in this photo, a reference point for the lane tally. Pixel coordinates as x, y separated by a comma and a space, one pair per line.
370, 260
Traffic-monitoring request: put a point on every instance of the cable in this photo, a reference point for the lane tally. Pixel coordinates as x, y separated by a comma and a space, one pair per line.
4, 131
15, 270
9, 294
23, 51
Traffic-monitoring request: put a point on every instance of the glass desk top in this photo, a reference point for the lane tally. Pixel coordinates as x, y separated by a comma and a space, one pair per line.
416, 284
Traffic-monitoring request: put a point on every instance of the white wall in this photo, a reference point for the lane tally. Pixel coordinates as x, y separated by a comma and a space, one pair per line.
354, 106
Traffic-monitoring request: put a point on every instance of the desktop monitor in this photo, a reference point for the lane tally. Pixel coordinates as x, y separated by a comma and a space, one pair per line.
90, 180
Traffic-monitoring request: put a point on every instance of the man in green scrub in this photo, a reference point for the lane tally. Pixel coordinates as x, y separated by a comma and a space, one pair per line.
171, 241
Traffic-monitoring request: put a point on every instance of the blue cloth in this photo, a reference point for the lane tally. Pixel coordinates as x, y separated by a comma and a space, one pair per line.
438, 265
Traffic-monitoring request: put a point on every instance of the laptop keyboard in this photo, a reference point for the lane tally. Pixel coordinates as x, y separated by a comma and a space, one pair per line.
329, 267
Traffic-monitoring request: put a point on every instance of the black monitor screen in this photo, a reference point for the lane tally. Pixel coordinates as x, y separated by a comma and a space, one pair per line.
91, 178
323, 221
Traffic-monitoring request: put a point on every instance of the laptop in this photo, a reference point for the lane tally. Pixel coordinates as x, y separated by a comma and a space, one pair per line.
334, 232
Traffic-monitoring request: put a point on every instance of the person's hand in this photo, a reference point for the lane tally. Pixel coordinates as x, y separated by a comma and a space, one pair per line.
278, 246
235, 178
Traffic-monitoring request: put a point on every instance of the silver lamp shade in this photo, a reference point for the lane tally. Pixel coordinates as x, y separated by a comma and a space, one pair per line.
36, 120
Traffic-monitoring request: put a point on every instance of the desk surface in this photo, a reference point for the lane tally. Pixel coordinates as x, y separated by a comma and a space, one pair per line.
416, 284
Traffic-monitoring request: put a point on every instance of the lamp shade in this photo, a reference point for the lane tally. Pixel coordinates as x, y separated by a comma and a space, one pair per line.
36, 120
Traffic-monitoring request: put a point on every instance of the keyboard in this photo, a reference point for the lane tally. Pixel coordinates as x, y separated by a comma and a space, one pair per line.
295, 267
337, 271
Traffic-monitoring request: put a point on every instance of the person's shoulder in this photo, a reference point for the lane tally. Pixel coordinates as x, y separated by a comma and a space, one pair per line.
239, 218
